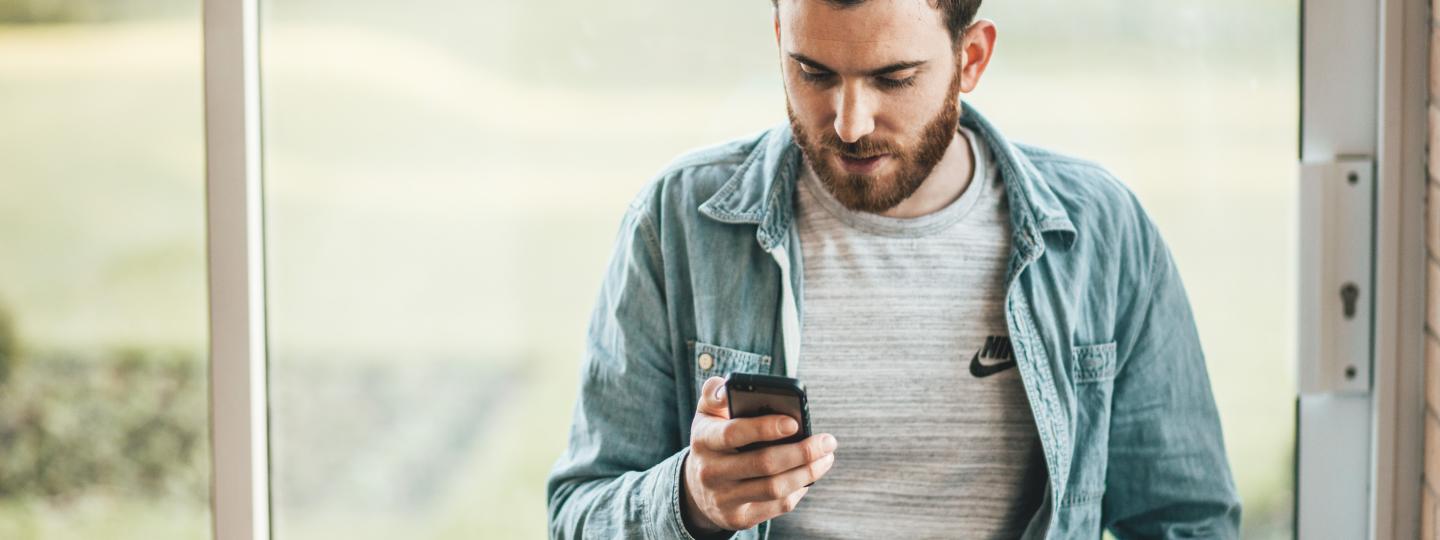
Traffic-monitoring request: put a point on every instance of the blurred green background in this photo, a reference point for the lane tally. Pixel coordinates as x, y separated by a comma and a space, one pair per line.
443, 181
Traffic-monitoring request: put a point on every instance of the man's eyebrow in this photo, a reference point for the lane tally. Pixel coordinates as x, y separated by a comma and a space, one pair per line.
898, 66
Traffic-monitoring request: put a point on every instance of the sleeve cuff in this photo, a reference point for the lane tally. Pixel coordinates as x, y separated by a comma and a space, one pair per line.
671, 519
667, 518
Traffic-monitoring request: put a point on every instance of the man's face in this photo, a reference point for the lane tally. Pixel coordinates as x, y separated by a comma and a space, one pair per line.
872, 92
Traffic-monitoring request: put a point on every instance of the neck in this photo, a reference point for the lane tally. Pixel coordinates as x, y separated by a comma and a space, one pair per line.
946, 182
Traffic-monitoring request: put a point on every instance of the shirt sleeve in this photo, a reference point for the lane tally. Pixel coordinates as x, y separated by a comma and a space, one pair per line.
619, 476
1167, 474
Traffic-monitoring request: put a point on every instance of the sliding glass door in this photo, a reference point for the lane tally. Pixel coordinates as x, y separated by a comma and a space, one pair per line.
441, 183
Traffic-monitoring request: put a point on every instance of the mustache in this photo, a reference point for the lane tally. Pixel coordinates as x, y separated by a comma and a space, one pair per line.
865, 147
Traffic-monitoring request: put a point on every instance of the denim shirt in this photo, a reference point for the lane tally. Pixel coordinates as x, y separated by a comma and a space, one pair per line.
707, 262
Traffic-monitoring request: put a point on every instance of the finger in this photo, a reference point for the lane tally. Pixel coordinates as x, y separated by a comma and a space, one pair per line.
759, 512
712, 399
737, 432
780, 458
780, 486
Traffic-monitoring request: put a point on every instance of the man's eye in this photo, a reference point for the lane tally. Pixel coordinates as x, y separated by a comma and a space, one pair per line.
813, 75
887, 82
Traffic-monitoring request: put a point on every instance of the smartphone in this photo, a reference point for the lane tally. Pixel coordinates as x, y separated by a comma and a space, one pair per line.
752, 394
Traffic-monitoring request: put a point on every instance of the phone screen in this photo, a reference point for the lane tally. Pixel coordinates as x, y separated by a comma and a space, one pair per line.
762, 401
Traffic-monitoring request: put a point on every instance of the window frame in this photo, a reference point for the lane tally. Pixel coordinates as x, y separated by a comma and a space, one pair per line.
235, 244
1365, 96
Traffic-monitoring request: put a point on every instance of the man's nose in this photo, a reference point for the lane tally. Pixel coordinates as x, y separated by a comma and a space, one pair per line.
854, 115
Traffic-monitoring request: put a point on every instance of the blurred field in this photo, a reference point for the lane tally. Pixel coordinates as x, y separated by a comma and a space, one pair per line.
438, 221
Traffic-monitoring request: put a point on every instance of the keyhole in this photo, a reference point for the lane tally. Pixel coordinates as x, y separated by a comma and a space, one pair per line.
1349, 294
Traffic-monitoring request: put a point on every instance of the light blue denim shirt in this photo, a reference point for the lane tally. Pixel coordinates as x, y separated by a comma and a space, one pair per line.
708, 261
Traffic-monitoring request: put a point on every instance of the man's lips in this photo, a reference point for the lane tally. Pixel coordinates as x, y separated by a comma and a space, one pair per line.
862, 165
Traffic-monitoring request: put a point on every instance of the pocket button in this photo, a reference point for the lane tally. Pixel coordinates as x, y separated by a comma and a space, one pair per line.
706, 361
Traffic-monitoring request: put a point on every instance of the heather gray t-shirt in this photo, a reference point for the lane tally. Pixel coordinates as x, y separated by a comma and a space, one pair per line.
936, 440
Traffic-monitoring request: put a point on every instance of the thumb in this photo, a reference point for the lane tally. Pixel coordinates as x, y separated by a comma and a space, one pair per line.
713, 400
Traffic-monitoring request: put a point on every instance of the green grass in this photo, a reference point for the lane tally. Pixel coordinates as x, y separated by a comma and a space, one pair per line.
101, 515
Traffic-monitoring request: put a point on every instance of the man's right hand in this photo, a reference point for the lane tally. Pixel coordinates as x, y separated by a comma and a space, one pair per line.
725, 489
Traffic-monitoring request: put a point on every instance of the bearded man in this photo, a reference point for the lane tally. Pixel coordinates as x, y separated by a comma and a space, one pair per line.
995, 339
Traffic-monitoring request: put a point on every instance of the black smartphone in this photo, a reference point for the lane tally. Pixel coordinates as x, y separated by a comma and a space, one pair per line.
752, 394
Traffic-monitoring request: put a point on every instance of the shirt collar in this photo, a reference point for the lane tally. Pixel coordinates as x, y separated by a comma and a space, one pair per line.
762, 189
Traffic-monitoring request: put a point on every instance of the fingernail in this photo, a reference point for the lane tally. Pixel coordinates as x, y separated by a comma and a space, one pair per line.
720, 392
830, 441
788, 426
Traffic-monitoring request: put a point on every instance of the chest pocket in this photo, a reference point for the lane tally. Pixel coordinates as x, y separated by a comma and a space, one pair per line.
716, 361
1095, 363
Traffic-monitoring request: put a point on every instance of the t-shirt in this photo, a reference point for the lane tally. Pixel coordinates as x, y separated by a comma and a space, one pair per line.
907, 362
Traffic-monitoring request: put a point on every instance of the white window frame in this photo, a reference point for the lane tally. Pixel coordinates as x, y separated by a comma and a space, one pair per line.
1364, 72
1358, 453
1400, 269
239, 425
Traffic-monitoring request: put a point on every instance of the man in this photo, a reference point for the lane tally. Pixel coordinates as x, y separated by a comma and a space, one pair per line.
995, 338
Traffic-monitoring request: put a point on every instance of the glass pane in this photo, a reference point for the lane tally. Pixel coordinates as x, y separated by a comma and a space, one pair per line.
103, 367
444, 182
443, 185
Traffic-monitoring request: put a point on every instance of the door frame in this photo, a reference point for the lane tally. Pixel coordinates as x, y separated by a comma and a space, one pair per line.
235, 244
1364, 70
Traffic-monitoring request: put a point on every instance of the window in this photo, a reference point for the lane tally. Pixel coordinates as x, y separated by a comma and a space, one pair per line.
443, 180
103, 367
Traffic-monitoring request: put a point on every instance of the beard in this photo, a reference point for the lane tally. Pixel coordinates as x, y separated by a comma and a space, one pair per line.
876, 193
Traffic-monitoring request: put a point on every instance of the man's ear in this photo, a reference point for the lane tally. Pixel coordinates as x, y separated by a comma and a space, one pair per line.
977, 46
776, 12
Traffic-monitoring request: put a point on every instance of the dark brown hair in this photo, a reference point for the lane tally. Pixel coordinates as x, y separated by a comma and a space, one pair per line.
958, 13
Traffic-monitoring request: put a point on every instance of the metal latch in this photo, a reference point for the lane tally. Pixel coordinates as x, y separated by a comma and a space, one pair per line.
1337, 219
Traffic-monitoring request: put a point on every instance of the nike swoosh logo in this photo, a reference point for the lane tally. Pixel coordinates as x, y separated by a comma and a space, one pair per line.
981, 370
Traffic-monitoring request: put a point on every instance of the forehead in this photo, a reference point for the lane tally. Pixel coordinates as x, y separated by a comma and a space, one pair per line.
873, 31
